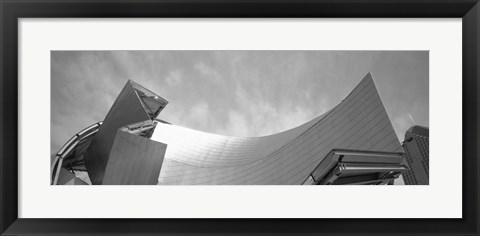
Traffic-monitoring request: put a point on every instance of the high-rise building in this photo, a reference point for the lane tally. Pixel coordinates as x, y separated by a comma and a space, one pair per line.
416, 152
352, 143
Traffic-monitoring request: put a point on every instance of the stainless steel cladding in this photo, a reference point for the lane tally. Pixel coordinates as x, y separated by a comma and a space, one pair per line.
359, 122
353, 143
133, 104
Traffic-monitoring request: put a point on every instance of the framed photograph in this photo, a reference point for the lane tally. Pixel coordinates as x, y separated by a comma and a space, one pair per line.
257, 117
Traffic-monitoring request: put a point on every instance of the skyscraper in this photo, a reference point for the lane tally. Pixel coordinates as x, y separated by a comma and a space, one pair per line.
416, 152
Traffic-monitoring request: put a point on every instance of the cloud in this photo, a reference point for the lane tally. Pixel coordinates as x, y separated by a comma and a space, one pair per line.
199, 114
401, 124
237, 124
208, 72
291, 119
174, 78
83, 88
241, 93
255, 115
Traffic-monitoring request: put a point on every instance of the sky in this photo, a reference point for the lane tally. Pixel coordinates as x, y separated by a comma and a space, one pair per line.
235, 93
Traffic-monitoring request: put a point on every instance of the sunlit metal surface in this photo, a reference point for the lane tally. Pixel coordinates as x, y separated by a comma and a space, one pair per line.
134, 104
194, 157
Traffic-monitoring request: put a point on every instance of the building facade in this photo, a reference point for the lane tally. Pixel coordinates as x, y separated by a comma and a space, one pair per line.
352, 143
416, 148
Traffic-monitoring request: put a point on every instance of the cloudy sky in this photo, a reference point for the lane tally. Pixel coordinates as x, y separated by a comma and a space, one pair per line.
236, 93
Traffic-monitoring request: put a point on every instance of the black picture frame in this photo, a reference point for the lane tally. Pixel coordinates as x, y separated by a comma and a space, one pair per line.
12, 10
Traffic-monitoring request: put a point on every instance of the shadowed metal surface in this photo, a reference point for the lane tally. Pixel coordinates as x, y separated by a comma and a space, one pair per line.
134, 160
128, 108
194, 157
343, 166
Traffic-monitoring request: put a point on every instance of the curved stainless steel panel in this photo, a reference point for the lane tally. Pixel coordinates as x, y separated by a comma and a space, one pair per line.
194, 157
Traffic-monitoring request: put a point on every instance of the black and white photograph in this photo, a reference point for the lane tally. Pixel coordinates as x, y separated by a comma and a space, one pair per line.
273, 117
220, 117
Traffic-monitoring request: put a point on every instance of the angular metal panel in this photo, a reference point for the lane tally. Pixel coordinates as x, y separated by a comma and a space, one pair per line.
134, 160
126, 109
